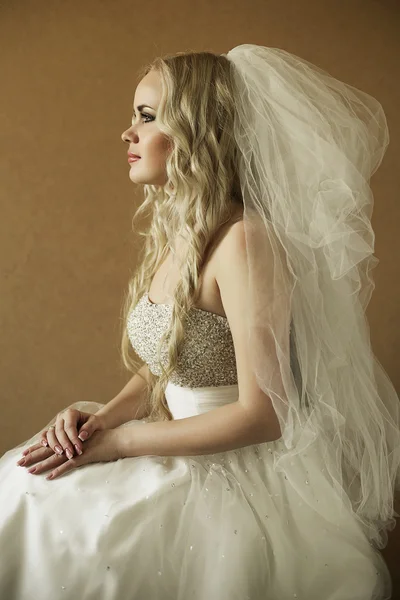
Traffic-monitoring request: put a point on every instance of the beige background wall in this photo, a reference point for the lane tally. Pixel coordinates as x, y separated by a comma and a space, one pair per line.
68, 72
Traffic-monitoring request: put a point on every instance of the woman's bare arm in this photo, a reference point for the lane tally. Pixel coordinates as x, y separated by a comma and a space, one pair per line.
129, 403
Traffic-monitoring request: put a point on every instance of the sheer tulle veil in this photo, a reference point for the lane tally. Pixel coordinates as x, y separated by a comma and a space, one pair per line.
309, 145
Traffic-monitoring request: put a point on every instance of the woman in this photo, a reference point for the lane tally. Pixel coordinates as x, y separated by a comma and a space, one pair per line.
255, 473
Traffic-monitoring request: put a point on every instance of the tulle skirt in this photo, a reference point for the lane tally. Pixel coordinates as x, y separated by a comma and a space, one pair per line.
227, 526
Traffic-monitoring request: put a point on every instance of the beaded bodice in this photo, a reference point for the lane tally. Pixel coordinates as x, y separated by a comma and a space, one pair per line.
207, 357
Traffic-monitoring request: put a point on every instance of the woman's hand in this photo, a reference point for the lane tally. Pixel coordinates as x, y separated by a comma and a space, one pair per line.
103, 446
71, 428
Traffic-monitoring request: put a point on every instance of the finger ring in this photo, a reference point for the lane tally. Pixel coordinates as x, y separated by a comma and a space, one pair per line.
51, 427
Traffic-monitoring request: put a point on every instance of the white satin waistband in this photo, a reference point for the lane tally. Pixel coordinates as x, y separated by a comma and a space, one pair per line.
188, 402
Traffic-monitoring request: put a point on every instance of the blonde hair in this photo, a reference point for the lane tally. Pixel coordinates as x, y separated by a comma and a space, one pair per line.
202, 193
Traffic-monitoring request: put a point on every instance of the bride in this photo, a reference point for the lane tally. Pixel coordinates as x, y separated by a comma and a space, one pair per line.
254, 452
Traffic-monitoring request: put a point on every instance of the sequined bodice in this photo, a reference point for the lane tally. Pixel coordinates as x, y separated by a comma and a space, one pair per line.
207, 357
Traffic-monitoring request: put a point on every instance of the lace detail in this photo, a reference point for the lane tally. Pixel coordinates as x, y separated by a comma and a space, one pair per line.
208, 355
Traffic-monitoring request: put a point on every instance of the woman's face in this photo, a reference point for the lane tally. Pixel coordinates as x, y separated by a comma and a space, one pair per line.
144, 138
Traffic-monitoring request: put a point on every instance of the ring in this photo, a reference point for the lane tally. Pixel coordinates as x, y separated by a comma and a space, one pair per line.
52, 427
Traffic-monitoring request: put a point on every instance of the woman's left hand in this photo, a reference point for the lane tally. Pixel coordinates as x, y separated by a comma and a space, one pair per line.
102, 446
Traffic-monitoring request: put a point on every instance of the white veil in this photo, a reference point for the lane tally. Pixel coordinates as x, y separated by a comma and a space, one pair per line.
308, 147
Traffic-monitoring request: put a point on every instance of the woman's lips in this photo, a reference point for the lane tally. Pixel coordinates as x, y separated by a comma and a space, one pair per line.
133, 159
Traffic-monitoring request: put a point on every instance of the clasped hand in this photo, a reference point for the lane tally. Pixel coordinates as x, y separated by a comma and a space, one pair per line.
102, 446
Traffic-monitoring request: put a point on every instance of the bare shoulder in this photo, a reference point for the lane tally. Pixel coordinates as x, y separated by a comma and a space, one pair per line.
228, 229
231, 246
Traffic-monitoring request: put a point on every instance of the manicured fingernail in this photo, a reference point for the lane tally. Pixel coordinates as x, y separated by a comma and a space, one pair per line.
21, 462
79, 451
58, 449
82, 436
50, 476
32, 470
44, 443
25, 452
68, 453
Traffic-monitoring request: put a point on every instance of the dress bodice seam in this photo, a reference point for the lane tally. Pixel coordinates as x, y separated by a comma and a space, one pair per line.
207, 312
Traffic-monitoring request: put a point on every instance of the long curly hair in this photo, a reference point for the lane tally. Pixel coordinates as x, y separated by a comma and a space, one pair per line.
202, 193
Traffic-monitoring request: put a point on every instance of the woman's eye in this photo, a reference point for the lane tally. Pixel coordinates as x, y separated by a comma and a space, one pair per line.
147, 116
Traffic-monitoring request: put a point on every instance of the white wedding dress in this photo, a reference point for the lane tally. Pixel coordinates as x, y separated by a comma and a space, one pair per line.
227, 526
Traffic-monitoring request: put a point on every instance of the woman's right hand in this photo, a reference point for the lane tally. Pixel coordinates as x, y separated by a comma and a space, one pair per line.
63, 435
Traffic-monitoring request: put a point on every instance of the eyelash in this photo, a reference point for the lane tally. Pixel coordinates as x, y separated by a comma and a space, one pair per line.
147, 115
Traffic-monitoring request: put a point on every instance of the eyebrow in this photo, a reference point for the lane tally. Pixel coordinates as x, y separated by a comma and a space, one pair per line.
142, 106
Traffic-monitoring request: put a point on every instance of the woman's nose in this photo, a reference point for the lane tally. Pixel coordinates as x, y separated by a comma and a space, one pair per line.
128, 134
124, 136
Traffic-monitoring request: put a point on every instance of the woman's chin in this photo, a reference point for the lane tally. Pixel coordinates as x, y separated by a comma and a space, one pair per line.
142, 179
